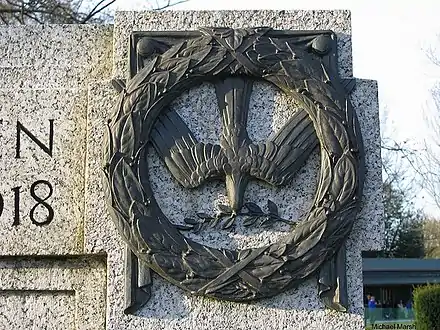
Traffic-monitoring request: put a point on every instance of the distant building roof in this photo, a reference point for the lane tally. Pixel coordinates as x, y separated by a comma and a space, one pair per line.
390, 271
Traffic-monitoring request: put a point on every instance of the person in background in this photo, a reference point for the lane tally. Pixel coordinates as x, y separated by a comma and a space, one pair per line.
409, 309
368, 297
372, 309
401, 310
366, 301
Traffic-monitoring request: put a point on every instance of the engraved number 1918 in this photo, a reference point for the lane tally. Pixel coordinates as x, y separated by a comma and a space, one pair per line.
41, 202
44, 210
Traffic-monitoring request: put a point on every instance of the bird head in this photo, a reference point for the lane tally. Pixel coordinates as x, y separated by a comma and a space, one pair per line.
236, 182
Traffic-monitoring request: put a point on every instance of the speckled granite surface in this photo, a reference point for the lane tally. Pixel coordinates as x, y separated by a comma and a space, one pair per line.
53, 293
44, 72
170, 307
336, 20
64, 170
57, 79
54, 56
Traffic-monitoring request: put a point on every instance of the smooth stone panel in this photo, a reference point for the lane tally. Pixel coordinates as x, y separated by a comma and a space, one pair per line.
37, 310
99, 231
172, 309
53, 56
53, 293
368, 232
64, 170
171, 20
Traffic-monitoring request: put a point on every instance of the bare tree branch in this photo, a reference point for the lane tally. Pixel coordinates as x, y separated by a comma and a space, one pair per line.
168, 4
63, 11
98, 9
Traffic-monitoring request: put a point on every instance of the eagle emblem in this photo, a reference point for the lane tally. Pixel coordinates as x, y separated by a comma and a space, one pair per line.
300, 63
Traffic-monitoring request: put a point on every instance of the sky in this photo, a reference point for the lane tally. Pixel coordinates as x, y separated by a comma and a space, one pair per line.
390, 41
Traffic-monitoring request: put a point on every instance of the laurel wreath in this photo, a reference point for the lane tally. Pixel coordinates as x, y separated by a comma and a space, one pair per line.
230, 274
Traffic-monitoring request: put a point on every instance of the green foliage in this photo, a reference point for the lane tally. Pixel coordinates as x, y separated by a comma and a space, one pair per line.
403, 225
427, 307
431, 233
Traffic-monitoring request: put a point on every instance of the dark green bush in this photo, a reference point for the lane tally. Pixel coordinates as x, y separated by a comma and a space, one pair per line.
427, 307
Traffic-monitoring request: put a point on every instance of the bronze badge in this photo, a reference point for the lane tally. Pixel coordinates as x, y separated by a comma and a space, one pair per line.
300, 63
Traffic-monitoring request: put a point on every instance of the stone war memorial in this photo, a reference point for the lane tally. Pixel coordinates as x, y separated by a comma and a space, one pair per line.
187, 170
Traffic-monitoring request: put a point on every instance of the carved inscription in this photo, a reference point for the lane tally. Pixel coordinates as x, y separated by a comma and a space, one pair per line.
47, 149
42, 212
40, 202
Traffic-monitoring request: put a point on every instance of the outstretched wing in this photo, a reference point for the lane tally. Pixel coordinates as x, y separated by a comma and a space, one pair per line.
277, 160
188, 160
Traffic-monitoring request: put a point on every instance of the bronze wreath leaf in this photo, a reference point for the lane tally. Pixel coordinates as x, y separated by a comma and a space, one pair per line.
219, 273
